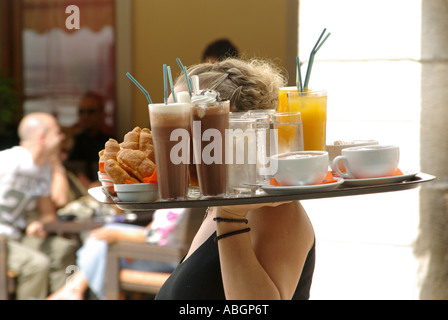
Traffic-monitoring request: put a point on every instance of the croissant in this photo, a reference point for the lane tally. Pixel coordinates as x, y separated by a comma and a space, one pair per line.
131, 139
146, 144
111, 147
117, 173
135, 163
133, 159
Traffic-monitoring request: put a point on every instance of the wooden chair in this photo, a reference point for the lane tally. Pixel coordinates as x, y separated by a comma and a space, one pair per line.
118, 280
7, 277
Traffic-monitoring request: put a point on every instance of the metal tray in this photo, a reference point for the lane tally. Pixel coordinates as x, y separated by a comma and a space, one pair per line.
341, 191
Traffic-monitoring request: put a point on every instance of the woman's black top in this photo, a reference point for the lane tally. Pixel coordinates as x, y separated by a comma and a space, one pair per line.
199, 277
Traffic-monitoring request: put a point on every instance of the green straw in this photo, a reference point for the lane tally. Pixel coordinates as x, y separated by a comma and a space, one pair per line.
140, 87
299, 76
165, 86
187, 79
170, 78
313, 53
323, 41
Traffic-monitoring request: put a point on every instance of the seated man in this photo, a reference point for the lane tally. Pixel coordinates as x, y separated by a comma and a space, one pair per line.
90, 137
38, 260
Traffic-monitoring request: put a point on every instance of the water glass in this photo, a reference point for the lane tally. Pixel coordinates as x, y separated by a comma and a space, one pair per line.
241, 156
263, 134
288, 131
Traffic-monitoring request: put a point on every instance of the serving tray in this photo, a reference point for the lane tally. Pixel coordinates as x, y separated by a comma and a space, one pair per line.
341, 191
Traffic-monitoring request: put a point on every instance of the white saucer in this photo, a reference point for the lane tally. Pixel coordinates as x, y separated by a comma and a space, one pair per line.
277, 190
383, 180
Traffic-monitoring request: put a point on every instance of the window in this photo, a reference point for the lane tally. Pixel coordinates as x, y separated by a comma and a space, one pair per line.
61, 64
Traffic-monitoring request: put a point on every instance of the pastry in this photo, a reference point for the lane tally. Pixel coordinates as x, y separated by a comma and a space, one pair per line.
146, 145
117, 173
133, 159
111, 147
136, 163
131, 139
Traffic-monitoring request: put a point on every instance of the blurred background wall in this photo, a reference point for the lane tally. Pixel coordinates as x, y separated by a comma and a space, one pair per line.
165, 30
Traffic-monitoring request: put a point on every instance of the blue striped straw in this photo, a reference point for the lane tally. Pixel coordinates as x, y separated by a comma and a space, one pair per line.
140, 87
299, 76
187, 79
170, 78
165, 86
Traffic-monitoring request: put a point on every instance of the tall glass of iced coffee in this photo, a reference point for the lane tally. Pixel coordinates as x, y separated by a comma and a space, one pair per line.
170, 126
209, 121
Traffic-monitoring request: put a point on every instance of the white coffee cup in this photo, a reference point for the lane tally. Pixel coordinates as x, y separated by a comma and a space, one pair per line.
368, 161
334, 149
301, 167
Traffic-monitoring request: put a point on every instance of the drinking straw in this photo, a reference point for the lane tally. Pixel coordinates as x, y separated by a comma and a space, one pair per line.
165, 86
311, 60
184, 69
323, 41
312, 54
171, 83
140, 87
187, 79
299, 76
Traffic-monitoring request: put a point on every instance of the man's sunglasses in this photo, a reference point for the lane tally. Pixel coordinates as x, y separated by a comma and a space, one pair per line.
87, 111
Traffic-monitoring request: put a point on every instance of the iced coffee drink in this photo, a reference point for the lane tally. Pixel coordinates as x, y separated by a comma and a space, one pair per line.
209, 121
170, 126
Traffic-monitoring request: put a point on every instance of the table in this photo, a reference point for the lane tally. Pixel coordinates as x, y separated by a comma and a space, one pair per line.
102, 196
75, 228
71, 227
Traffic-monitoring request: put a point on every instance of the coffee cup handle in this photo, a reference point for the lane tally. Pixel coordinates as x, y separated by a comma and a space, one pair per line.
336, 161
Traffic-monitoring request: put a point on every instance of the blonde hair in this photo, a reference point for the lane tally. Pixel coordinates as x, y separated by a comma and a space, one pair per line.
251, 84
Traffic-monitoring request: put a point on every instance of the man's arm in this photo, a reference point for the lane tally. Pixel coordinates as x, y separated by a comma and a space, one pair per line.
46, 209
47, 213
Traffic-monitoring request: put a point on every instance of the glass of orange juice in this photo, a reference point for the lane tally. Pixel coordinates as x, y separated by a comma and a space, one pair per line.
313, 108
283, 105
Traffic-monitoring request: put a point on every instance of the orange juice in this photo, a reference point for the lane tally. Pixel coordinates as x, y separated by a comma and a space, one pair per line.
282, 105
313, 108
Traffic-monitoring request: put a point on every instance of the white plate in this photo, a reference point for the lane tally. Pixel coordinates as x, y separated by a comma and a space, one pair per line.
383, 180
276, 190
